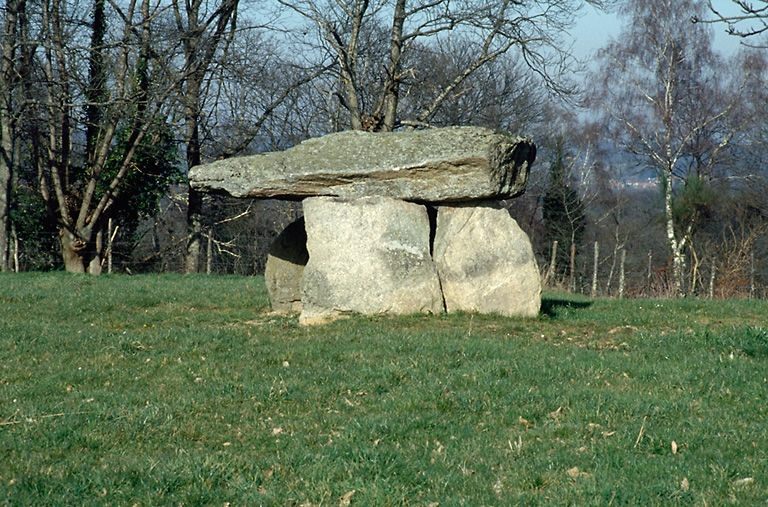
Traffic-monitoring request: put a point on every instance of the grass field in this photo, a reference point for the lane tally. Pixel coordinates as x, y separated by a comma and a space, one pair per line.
178, 390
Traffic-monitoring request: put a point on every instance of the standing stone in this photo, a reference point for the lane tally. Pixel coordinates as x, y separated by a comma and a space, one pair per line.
368, 255
285, 267
486, 262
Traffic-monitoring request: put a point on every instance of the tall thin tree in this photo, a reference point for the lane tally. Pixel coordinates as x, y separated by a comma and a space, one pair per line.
204, 30
10, 48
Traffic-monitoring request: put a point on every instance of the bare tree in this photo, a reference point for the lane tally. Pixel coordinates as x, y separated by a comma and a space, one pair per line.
203, 29
258, 99
660, 91
502, 94
233, 81
9, 72
371, 74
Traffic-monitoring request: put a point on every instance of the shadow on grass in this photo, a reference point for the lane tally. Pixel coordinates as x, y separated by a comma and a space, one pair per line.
550, 306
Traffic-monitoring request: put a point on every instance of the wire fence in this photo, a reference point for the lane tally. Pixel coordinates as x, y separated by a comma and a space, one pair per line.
621, 273
617, 273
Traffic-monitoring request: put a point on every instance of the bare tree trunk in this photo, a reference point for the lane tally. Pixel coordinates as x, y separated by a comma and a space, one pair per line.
71, 252
676, 246
202, 39
613, 269
6, 168
712, 281
595, 265
5, 204
195, 199
13, 9
81, 251
94, 265
695, 280
15, 238
194, 231
7, 78
552, 264
392, 87
82, 199
155, 241
656, 80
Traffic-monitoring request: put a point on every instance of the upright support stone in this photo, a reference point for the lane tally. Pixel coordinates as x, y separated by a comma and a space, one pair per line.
486, 262
285, 267
369, 255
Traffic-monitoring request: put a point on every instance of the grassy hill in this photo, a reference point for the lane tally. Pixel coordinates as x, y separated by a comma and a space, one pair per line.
185, 390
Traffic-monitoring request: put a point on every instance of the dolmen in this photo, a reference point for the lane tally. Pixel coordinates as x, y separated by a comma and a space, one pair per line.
394, 223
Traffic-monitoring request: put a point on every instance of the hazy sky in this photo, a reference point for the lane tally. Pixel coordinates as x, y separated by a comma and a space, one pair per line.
596, 28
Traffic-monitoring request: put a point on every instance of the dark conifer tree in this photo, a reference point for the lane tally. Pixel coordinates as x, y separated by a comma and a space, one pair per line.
563, 212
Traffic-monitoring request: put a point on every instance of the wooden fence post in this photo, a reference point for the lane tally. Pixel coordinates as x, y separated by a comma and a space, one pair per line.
209, 253
572, 268
109, 246
752, 275
649, 279
621, 272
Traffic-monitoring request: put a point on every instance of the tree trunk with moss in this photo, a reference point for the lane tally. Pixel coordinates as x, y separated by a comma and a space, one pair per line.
8, 80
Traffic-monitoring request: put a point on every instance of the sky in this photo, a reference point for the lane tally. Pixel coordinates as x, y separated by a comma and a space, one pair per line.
594, 29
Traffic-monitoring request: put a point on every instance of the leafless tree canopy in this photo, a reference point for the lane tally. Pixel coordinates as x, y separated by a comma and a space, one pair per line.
372, 49
665, 99
750, 22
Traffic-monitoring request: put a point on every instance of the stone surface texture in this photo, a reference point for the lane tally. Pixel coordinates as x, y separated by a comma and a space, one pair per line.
454, 164
369, 255
285, 268
485, 262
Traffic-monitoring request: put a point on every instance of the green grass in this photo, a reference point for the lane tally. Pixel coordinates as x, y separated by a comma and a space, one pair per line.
185, 390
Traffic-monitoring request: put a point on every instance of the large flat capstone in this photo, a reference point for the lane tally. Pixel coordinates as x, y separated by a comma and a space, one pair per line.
454, 164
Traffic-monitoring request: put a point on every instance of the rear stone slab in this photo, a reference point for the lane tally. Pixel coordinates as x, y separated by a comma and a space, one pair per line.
370, 256
486, 262
285, 268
